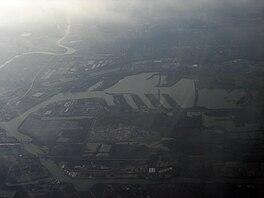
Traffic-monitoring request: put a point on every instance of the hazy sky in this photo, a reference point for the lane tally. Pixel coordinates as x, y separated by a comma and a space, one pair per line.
18, 12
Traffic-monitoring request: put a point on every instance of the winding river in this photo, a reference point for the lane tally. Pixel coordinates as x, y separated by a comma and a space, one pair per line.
68, 50
11, 126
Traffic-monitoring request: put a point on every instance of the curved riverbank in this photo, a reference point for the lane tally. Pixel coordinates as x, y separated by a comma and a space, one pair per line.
11, 127
68, 50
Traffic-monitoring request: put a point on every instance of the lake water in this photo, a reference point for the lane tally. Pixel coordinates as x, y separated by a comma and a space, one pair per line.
183, 92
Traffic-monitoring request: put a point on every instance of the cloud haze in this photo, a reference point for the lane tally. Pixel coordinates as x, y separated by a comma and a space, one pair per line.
19, 12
